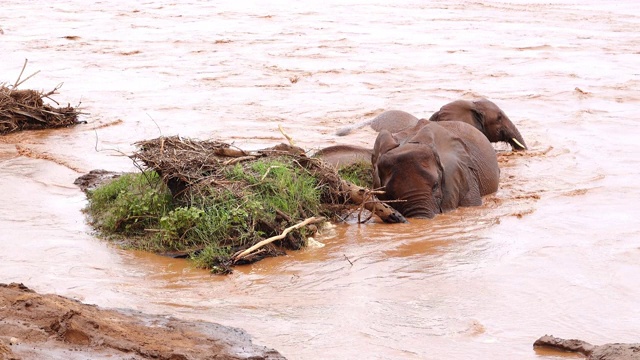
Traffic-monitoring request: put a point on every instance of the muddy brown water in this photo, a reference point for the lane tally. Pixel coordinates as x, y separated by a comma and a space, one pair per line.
554, 251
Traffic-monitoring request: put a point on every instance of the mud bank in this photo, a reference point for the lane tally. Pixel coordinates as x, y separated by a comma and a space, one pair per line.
35, 326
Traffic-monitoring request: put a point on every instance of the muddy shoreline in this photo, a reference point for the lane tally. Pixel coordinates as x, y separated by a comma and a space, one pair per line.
35, 326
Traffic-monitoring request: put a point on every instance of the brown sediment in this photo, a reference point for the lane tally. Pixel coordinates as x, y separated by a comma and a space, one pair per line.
128, 53
505, 157
30, 153
105, 125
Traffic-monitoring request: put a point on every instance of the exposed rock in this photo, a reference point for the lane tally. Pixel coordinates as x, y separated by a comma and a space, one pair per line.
95, 178
55, 327
593, 352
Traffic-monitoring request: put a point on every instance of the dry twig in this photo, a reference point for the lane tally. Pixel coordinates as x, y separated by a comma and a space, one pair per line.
242, 254
289, 138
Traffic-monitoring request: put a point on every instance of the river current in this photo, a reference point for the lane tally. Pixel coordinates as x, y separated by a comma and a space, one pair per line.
554, 251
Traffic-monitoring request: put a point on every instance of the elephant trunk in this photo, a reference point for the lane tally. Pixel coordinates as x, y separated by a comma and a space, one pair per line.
417, 206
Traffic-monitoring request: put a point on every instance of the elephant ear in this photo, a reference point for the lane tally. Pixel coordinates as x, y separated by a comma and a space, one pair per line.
460, 182
461, 110
384, 143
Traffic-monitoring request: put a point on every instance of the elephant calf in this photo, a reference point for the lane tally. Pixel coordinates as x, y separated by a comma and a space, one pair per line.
434, 167
485, 116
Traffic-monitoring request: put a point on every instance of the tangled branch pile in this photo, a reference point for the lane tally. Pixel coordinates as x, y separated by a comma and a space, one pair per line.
221, 205
26, 110
191, 168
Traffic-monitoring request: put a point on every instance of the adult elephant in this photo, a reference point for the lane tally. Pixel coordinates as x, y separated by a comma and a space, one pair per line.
485, 116
434, 167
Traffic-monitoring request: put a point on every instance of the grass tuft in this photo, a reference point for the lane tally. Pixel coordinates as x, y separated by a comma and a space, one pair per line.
360, 173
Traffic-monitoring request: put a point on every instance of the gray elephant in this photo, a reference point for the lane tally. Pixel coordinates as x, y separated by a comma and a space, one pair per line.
485, 116
434, 167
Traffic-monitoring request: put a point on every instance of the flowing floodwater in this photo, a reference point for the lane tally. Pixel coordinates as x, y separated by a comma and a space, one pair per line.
555, 251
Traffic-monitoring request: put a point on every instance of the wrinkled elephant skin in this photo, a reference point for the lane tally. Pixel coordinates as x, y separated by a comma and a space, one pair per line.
434, 167
485, 116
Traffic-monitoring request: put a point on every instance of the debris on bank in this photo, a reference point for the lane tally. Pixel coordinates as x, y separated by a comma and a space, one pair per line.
26, 110
223, 206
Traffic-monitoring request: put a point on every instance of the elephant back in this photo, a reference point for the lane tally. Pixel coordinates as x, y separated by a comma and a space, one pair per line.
344, 155
482, 154
459, 110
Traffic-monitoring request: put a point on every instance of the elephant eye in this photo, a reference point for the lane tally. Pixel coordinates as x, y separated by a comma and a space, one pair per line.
435, 187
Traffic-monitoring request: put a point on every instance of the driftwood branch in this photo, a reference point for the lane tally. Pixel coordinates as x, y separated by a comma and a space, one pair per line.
289, 138
362, 196
236, 160
267, 172
21, 72
247, 252
18, 82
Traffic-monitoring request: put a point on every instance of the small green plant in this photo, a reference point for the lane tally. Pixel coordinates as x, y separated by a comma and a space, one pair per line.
213, 257
129, 204
360, 173
177, 223
272, 187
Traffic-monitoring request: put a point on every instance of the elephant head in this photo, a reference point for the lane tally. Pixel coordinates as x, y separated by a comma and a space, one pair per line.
431, 169
486, 117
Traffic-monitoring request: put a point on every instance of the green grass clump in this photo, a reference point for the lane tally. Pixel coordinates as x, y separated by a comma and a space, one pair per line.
129, 204
360, 173
258, 199
274, 195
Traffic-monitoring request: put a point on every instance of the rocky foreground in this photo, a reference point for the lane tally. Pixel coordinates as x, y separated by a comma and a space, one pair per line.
34, 326
615, 351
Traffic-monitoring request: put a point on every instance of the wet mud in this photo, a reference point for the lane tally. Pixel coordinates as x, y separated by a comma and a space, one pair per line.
553, 251
95, 178
36, 326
